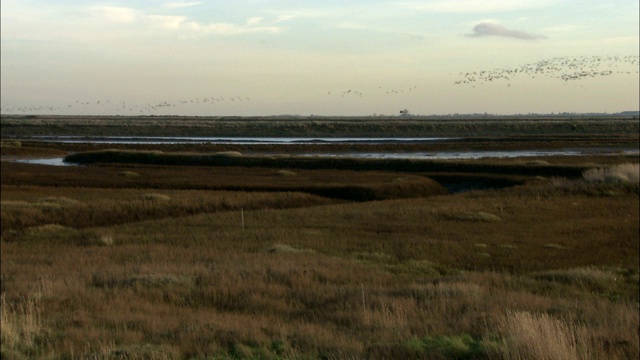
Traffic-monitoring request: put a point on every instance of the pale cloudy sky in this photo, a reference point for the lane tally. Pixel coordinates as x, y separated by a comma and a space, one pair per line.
271, 57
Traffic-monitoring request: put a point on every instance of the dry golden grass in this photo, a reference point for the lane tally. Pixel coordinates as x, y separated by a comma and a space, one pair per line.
541, 336
180, 272
621, 173
341, 280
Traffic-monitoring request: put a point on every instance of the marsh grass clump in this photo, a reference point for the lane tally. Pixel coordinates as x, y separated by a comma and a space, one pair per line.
22, 328
541, 336
227, 154
286, 249
15, 203
477, 216
129, 174
59, 234
555, 246
621, 173
10, 144
109, 280
45, 203
608, 282
537, 163
57, 202
439, 347
286, 173
155, 197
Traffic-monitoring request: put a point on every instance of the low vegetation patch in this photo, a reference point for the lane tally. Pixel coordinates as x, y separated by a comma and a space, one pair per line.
155, 197
227, 154
130, 174
439, 347
286, 249
59, 234
10, 144
286, 173
480, 216
622, 173
22, 327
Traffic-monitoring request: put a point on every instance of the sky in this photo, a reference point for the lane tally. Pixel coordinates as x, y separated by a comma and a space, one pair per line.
301, 57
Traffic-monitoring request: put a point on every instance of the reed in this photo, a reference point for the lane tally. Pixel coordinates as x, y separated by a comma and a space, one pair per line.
159, 266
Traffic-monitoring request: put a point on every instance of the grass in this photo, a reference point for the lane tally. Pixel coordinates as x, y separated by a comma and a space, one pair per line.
295, 126
158, 265
22, 328
294, 162
292, 283
620, 173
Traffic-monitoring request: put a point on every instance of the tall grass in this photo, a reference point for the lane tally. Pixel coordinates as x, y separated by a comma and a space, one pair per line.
540, 336
154, 266
621, 173
384, 279
22, 328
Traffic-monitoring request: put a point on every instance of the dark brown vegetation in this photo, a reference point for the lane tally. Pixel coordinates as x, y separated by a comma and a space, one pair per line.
297, 126
142, 261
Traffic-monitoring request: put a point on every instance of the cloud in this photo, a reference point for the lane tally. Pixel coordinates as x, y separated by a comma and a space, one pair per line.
126, 15
308, 13
228, 29
565, 28
474, 6
349, 25
180, 4
492, 29
254, 21
116, 14
168, 22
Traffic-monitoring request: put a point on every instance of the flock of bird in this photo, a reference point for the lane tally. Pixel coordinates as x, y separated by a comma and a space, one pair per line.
378, 91
119, 107
562, 68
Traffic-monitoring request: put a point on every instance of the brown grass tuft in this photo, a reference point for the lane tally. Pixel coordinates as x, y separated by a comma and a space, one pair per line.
621, 173
541, 336
21, 327
286, 173
480, 216
155, 197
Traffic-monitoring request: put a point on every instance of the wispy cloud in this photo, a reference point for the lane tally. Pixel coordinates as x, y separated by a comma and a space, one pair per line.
116, 14
167, 22
254, 21
305, 13
474, 6
126, 15
350, 25
492, 29
564, 28
228, 28
180, 4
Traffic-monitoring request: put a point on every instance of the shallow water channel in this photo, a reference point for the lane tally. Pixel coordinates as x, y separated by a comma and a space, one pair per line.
435, 155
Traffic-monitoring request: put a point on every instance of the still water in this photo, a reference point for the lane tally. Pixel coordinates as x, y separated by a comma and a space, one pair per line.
437, 155
232, 140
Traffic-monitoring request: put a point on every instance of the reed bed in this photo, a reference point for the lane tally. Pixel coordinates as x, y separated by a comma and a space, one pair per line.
159, 262
396, 278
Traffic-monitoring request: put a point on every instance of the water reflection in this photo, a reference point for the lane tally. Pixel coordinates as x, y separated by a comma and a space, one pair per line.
160, 140
48, 161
